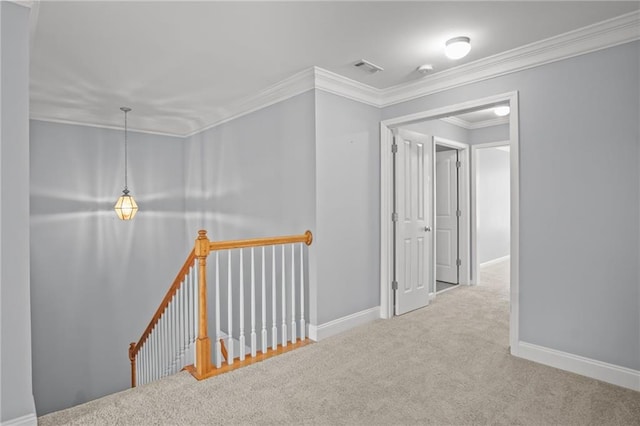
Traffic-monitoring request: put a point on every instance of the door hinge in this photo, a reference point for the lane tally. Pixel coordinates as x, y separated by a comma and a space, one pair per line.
394, 148
458, 164
394, 285
458, 262
394, 217
458, 213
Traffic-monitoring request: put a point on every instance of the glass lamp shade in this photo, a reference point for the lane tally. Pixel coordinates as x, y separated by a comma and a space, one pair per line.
126, 207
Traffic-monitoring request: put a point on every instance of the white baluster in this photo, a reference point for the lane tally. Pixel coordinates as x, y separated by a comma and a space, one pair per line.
253, 304
180, 329
274, 328
229, 312
218, 334
293, 294
167, 341
241, 338
159, 342
263, 340
138, 364
284, 303
303, 325
172, 334
194, 304
152, 353
143, 369
156, 352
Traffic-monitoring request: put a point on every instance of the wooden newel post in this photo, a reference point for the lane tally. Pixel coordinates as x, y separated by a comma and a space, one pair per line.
203, 345
132, 358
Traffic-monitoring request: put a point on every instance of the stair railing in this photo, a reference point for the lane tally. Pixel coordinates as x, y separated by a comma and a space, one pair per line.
178, 333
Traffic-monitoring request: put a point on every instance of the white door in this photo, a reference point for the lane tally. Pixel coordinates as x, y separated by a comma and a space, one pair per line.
414, 203
446, 216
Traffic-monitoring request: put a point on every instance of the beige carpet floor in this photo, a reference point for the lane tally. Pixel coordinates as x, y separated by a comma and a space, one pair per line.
447, 364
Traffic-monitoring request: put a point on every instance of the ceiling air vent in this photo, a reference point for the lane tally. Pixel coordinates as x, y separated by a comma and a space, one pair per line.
368, 66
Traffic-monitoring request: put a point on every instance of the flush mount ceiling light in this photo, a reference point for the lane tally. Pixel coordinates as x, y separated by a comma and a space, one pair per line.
425, 69
457, 47
502, 111
126, 207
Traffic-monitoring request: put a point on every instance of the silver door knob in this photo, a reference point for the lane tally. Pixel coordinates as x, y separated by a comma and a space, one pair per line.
427, 229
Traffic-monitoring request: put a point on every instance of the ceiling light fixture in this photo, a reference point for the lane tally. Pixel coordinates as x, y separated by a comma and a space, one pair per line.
425, 69
502, 111
457, 47
126, 207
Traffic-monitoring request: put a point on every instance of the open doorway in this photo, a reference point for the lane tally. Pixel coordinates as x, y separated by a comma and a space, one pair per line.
491, 211
447, 218
393, 291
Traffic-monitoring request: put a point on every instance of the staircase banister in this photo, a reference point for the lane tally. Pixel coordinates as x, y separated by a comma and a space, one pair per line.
306, 238
135, 347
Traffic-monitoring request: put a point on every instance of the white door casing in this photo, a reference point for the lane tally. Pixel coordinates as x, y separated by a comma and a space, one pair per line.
387, 240
446, 223
413, 242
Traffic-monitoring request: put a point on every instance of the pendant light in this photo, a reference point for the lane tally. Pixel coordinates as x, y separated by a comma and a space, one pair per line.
126, 207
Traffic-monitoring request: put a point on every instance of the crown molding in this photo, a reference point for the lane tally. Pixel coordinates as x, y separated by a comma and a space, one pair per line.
36, 117
609, 33
342, 86
285, 89
457, 121
602, 35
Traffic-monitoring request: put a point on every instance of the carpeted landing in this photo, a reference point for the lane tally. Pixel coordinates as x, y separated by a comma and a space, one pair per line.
447, 364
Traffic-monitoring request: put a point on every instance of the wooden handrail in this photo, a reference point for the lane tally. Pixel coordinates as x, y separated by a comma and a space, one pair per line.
135, 347
203, 246
306, 238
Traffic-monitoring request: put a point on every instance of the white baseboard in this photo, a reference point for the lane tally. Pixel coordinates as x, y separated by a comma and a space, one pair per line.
494, 261
337, 326
28, 420
610, 373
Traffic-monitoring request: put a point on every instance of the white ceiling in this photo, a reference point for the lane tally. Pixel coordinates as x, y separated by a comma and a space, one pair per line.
178, 64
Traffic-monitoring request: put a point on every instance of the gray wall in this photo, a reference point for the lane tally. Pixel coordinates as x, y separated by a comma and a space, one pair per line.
348, 205
95, 280
579, 200
441, 129
254, 177
493, 203
489, 134
16, 399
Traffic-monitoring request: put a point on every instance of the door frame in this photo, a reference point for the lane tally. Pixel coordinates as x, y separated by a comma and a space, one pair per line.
464, 246
474, 202
386, 199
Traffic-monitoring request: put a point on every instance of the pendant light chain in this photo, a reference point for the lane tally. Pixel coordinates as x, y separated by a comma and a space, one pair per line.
125, 152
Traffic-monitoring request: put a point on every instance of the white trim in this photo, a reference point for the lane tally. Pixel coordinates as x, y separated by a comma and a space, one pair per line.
342, 86
514, 246
101, 126
283, 90
447, 289
601, 35
386, 205
457, 121
340, 325
610, 373
386, 228
494, 261
598, 36
26, 420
